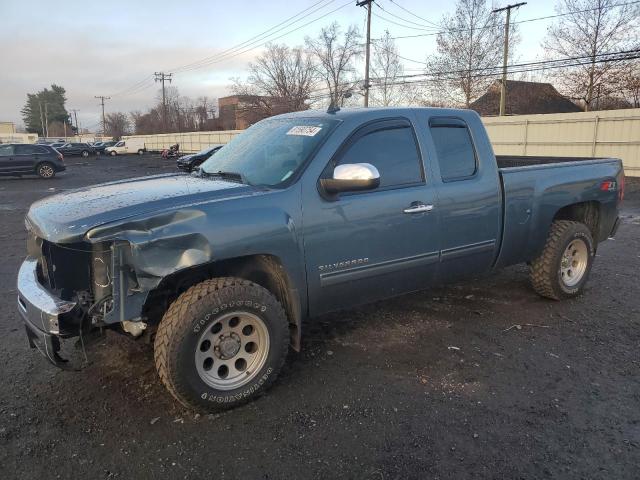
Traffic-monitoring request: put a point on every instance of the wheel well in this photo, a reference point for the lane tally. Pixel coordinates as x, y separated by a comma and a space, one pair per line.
264, 270
583, 212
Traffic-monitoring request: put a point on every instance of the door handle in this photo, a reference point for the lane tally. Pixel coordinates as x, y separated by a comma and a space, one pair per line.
418, 208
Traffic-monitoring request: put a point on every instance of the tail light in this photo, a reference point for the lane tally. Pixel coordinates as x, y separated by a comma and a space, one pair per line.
608, 185
60, 157
621, 189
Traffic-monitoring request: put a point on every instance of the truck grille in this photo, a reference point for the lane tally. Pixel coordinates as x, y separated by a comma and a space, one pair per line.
66, 269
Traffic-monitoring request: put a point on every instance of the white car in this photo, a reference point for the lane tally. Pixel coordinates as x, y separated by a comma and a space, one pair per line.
124, 147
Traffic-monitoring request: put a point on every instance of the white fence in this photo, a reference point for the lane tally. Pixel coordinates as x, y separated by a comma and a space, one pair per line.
609, 133
189, 142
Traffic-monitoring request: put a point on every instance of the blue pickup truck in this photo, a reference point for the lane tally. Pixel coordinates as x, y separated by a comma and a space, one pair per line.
302, 214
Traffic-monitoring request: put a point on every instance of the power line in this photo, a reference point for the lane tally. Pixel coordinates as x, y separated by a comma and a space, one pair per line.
413, 14
235, 54
255, 38
424, 27
455, 30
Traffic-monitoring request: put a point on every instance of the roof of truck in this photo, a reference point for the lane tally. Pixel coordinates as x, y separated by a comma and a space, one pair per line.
372, 112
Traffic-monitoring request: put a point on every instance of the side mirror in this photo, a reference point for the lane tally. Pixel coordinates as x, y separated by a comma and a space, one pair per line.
352, 177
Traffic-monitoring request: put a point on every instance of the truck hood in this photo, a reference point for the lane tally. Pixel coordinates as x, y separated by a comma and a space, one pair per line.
66, 217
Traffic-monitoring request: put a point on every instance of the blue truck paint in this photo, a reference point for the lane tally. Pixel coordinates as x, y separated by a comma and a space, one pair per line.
334, 252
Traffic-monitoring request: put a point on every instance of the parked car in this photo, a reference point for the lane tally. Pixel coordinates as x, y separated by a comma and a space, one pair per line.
83, 149
128, 146
189, 162
28, 159
101, 146
57, 144
303, 214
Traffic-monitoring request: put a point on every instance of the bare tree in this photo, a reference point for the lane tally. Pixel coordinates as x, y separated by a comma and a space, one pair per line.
388, 87
468, 51
117, 124
335, 55
631, 84
285, 74
586, 30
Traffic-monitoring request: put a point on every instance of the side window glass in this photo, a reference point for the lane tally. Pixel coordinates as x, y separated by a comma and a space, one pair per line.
6, 150
27, 149
393, 151
454, 147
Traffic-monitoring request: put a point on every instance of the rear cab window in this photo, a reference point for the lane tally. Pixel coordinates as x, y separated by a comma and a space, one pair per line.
454, 148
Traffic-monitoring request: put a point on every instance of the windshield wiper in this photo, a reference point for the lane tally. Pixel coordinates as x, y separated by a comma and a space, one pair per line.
232, 176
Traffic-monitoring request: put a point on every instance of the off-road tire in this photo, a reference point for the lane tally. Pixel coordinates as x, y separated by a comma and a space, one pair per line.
45, 170
198, 309
545, 273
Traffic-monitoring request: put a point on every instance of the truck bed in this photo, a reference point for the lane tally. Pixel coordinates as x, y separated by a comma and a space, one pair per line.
533, 187
510, 161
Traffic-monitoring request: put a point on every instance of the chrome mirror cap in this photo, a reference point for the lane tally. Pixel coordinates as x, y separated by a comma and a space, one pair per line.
356, 171
351, 177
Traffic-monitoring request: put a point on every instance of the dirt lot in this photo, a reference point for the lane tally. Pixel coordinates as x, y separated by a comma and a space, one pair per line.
438, 384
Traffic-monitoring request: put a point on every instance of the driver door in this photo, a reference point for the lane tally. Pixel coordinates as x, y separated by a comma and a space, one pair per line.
363, 246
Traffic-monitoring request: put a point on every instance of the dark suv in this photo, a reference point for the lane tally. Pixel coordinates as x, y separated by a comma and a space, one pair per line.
83, 149
24, 159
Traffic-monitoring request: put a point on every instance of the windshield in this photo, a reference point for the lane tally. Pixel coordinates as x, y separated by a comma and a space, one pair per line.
271, 151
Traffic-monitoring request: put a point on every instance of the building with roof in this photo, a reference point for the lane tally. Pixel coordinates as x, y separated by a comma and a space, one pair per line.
523, 98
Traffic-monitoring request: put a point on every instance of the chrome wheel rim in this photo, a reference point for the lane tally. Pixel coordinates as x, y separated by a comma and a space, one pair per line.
46, 171
85, 154
573, 263
231, 352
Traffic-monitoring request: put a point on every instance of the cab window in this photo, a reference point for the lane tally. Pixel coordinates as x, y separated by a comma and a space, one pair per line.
454, 148
391, 147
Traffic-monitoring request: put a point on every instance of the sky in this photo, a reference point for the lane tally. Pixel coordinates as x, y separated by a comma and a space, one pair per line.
113, 47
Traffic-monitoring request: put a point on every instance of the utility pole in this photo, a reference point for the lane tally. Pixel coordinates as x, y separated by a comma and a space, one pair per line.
102, 99
367, 3
503, 87
41, 119
162, 77
46, 119
75, 115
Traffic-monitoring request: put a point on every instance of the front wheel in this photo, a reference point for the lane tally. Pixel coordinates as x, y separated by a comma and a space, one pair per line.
221, 343
112, 153
562, 269
85, 154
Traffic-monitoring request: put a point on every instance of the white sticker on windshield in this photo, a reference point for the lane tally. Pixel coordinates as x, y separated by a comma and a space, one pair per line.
305, 131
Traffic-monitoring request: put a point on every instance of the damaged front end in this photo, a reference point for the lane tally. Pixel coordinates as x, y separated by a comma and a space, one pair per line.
76, 290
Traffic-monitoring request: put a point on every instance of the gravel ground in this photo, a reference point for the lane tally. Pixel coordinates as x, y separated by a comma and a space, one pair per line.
482, 379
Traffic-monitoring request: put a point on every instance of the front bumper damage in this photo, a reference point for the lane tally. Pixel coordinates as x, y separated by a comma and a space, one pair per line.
43, 313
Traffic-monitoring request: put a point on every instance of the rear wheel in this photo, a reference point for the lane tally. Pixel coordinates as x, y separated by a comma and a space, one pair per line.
85, 153
141, 152
45, 170
221, 343
563, 268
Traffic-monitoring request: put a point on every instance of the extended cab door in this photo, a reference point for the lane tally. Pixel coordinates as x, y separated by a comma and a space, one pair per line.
469, 194
363, 246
